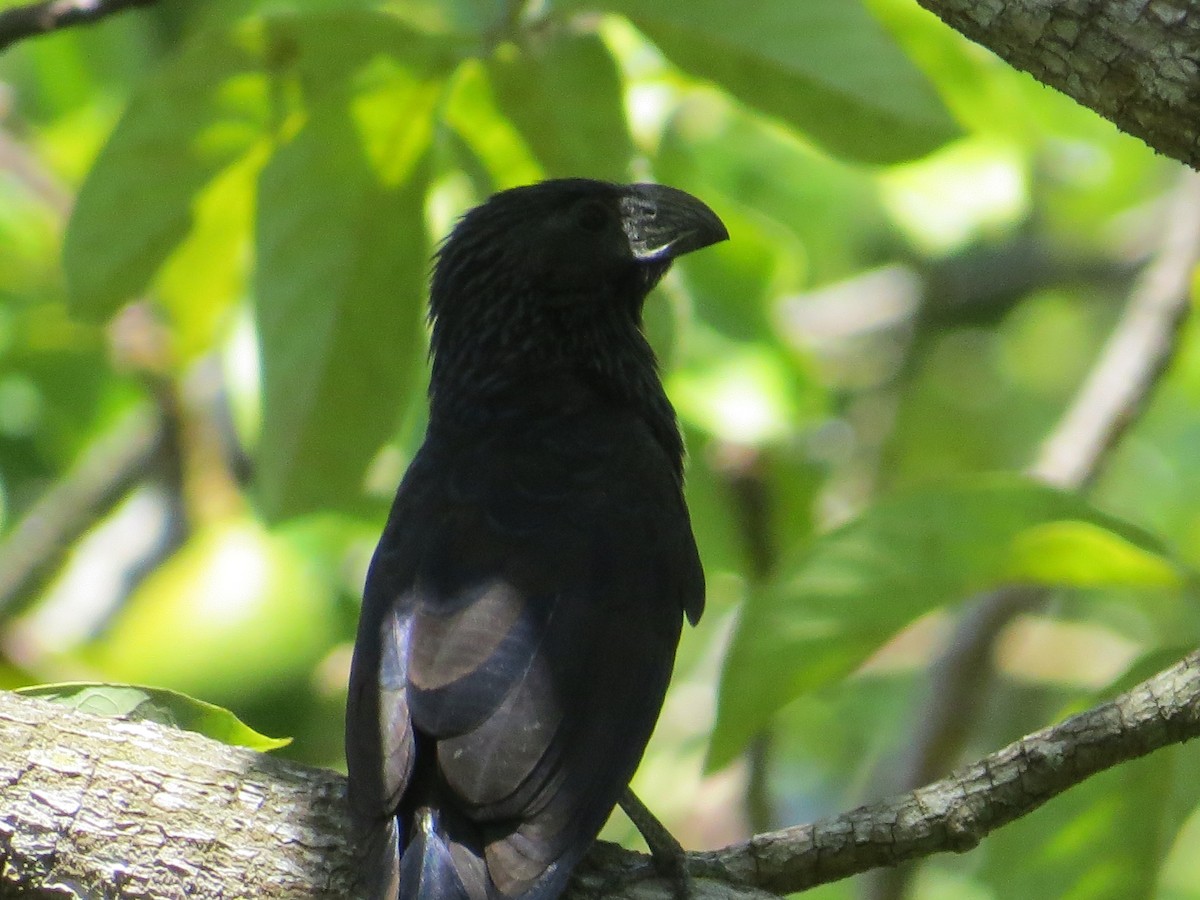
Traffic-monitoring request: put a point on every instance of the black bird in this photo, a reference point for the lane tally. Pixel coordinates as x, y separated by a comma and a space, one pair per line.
523, 607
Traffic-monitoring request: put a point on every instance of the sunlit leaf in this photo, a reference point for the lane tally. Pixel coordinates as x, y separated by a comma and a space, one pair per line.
166, 707
946, 201
469, 18
743, 393
565, 97
798, 218
204, 111
201, 281
342, 259
342, 254
1085, 554
825, 66
905, 556
471, 110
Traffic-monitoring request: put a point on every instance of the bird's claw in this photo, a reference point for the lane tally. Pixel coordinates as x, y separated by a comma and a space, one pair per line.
667, 855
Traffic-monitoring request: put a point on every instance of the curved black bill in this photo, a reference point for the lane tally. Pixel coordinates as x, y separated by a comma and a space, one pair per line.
663, 223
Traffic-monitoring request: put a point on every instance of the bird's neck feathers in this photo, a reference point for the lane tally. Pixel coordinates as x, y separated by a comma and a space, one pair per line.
546, 359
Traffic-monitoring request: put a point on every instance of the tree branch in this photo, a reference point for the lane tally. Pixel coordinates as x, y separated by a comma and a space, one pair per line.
110, 807
957, 812
1137, 63
22, 22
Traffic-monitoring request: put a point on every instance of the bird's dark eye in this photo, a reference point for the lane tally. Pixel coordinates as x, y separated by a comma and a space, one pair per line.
591, 216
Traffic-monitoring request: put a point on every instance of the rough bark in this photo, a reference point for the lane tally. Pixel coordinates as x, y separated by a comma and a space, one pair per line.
94, 807
1135, 62
22, 22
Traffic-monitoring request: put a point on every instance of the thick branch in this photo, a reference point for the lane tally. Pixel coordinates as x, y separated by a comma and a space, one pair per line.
136, 809
1135, 62
21, 22
956, 813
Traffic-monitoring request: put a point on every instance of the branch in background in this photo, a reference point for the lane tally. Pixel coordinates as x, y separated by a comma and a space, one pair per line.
742, 470
116, 808
1112, 397
107, 469
22, 22
17, 161
145, 443
1136, 355
1133, 63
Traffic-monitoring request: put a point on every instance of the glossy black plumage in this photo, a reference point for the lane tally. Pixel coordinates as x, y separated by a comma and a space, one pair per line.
523, 607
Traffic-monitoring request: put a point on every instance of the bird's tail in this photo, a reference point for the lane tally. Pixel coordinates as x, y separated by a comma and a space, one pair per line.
380, 859
436, 867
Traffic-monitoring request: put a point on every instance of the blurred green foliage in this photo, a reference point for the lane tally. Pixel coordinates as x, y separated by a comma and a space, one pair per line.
223, 213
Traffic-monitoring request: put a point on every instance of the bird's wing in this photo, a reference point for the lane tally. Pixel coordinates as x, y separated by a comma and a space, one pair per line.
532, 637
380, 746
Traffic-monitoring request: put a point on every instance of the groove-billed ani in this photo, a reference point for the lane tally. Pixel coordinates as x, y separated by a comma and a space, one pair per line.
522, 610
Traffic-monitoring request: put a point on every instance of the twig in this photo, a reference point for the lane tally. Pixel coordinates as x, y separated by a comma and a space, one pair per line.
957, 812
1137, 353
742, 469
19, 162
22, 22
138, 809
1112, 397
759, 802
102, 476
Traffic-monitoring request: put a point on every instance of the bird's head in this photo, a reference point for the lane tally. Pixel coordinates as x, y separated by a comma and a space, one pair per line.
557, 271
574, 245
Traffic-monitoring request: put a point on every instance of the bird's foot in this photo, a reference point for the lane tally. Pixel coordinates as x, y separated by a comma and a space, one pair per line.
666, 853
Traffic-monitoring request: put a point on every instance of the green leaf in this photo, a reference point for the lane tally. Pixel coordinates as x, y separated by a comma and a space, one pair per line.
565, 97
905, 556
815, 218
202, 281
469, 18
342, 256
1084, 554
825, 66
130, 701
210, 107
488, 134
341, 54
746, 392
201, 113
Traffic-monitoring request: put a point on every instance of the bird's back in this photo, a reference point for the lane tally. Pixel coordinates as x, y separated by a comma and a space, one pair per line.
524, 604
